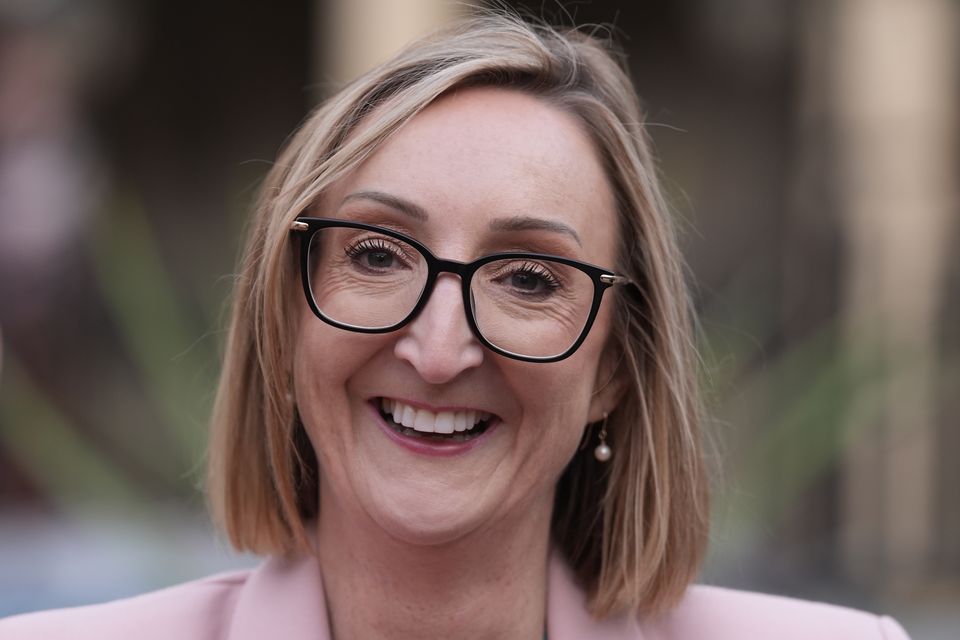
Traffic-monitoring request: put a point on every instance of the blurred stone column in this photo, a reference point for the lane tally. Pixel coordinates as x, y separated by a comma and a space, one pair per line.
353, 36
893, 95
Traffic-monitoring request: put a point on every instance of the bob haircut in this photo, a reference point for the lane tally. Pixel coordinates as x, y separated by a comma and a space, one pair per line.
633, 530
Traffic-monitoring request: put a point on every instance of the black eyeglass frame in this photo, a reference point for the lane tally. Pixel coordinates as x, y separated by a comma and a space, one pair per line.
304, 227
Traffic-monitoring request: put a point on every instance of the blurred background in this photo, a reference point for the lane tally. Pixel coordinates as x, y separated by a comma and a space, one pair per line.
811, 151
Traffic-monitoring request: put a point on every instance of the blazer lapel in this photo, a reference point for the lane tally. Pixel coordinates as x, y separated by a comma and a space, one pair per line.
567, 617
282, 598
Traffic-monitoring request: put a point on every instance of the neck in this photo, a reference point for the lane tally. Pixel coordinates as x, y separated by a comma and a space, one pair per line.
487, 584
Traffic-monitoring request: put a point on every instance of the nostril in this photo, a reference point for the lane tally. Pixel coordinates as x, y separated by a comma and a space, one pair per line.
438, 353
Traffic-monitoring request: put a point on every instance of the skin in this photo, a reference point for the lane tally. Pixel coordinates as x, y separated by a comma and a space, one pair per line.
419, 546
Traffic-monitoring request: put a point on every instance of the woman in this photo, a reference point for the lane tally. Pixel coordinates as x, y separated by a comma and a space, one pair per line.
458, 399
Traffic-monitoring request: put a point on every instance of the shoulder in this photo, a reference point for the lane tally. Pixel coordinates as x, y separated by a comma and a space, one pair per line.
277, 599
193, 610
713, 612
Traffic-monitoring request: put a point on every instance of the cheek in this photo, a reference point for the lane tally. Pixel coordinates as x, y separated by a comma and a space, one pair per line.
315, 368
556, 400
323, 363
564, 391
325, 357
555, 416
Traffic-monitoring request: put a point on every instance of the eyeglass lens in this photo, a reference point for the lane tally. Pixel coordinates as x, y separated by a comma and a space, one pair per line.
531, 307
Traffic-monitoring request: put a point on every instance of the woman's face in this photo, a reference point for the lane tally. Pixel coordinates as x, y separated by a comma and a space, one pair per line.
477, 172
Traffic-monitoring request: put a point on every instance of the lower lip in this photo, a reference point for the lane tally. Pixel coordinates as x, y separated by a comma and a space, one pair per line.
431, 448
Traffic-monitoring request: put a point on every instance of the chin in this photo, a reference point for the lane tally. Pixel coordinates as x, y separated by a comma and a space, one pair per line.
416, 519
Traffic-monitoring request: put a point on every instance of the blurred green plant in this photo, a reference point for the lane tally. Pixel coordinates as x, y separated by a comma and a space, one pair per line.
52, 452
154, 324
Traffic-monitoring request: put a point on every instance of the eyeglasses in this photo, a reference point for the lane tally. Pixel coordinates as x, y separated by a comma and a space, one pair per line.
526, 306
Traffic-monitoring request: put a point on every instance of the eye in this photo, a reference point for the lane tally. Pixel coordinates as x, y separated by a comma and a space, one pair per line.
525, 281
377, 255
528, 279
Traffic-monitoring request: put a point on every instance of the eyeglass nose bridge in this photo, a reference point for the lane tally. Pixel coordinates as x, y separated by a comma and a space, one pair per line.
464, 270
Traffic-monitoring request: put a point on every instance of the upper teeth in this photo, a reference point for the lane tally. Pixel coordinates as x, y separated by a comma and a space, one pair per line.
430, 422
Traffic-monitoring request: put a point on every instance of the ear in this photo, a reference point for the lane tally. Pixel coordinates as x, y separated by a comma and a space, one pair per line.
610, 383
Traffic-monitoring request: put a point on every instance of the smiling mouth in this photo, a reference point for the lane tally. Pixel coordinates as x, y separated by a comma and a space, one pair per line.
442, 426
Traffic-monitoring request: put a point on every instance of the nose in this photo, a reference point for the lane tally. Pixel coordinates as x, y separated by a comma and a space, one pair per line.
438, 343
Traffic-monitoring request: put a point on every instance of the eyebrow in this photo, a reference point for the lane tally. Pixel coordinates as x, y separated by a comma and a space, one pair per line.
403, 206
528, 223
513, 223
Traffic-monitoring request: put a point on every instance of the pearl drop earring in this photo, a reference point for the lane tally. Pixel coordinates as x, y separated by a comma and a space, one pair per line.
603, 452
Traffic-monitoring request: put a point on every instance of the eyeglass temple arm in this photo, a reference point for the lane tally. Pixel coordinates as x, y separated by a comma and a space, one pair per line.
608, 279
296, 225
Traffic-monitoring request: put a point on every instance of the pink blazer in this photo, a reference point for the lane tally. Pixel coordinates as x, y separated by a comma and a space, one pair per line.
283, 599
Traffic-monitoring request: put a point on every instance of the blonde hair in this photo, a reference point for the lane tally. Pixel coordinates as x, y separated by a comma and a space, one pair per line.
633, 531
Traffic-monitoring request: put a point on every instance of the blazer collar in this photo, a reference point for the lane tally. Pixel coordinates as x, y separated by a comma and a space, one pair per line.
567, 617
284, 598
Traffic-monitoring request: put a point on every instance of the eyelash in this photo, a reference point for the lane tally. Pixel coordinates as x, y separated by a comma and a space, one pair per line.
374, 244
550, 281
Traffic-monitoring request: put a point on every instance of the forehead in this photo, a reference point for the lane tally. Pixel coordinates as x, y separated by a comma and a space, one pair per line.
485, 153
